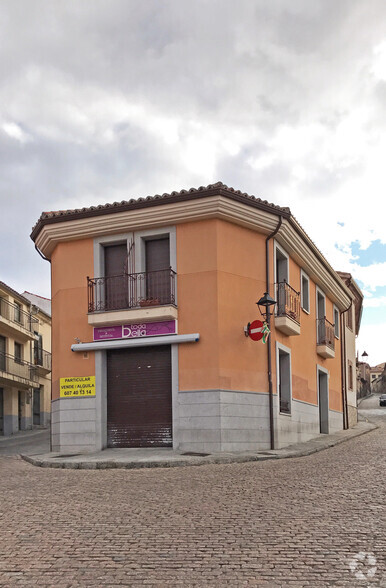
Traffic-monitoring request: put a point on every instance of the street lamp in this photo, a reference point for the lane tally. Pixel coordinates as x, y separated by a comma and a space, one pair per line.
265, 302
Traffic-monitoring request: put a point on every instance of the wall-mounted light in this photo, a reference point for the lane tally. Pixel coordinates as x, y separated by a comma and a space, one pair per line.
264, 304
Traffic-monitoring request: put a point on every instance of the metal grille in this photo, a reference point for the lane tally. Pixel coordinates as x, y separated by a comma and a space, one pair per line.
325, 333
131, 290
288, 301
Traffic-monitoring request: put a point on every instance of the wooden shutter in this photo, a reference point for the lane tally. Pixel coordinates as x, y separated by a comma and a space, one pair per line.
158, 270
116, 281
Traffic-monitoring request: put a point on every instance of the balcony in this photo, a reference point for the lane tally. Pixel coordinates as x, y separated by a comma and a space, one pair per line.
42, 361
325, 339
132, 297
17, 372
287, 316
15, 321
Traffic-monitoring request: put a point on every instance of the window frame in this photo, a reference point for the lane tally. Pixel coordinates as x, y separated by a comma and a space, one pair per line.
283, 252
350, 375
17, 311
280, 348
349, 319
20, 346
335, 310
305, 276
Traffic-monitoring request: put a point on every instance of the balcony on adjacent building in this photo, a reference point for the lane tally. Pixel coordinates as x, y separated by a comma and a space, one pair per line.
132, 297
287, 315
42, 361
325, 341
15, 321
17, 372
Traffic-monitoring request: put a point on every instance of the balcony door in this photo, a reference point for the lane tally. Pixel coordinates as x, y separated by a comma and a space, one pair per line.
38, 349
320, 315
158, 270
281, 278
115, 274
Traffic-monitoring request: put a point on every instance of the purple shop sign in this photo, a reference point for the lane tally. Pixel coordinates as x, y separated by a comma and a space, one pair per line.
135, 330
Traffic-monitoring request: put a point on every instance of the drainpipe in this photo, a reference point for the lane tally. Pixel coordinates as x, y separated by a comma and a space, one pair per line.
41, 254
343, 366
46, 259
269, 352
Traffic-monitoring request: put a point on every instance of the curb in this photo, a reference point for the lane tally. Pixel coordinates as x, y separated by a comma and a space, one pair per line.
314, 447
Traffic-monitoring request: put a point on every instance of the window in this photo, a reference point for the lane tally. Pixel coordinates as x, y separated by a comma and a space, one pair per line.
350, 375
283, 371
18, 352
305, 292
17, 312
349, 318
336, 322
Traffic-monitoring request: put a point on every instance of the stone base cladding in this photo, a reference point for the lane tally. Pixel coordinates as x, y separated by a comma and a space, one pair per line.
73, 425
352, 416
222, 420
25, 423
301, 425
335, 420
10, 424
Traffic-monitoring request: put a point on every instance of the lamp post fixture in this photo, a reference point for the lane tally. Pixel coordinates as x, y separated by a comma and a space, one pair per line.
266, 301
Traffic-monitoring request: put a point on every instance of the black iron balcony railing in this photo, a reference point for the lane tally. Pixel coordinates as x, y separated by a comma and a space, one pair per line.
42, 358
288, 301
15, 314
325, 333
15, 366
132, 290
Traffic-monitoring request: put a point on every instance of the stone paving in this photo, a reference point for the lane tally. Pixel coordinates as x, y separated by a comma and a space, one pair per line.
310, 521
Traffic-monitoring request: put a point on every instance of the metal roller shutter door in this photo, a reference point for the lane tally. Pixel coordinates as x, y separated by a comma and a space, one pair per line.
139, 397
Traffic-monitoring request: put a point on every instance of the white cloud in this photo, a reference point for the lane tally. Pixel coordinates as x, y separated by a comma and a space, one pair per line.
14, 131
372, 340
375, 302
285, 99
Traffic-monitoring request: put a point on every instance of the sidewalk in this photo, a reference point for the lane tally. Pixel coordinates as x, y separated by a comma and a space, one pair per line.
166, 457
23, 434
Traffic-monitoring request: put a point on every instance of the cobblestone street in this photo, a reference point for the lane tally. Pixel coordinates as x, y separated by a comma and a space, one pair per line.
308, 521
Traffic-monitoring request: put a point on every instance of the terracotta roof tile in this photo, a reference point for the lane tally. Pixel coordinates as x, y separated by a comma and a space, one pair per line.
57, 215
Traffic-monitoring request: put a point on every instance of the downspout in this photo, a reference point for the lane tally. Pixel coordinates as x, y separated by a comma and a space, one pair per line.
343, 366
269, 351
41, 254
46, 259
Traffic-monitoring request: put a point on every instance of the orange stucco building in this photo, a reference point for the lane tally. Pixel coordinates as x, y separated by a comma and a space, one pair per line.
151, 301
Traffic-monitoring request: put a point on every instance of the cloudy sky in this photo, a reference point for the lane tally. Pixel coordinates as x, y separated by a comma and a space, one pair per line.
106, 100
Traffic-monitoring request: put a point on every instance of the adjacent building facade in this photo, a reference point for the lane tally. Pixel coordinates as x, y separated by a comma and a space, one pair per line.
151, 301
351, 321
25, 387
